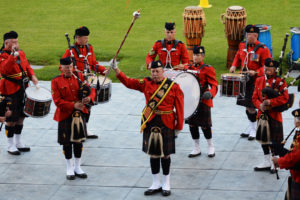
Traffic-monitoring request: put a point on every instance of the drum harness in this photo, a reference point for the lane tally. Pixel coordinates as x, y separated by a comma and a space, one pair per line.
168, 58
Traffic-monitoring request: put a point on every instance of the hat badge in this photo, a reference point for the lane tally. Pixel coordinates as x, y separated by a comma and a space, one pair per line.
271, 64
158, 64
251, 29
296, 114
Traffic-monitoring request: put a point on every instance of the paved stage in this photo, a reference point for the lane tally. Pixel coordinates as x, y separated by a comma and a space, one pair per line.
118, 169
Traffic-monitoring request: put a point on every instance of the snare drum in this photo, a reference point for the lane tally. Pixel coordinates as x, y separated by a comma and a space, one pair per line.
37, 102
265, 35
190, 87
103, 92
295, 43
233, 85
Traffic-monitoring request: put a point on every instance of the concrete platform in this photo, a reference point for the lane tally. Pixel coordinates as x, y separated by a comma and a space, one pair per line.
118, 169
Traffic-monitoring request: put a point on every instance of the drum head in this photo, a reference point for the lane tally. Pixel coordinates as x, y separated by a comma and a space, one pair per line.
235, 8
189, 84
295, 30
40, 94
263, 27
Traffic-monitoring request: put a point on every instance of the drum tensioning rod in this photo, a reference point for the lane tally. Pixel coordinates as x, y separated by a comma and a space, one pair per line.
136, 15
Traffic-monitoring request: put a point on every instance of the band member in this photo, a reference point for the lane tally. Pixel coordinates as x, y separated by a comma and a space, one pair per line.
68, 96
81, 50
291, 161
209, 89
16, 73
266, 103
172, 53
250, 56
159, 121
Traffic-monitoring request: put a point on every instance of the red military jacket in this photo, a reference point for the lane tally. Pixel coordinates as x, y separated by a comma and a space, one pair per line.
65, 94
207, 77
180, 54
10, 68
257, 97
80, 59
255, 64
174, 99
289, 160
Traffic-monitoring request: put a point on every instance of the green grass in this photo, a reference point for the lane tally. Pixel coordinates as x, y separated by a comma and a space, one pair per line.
41, 25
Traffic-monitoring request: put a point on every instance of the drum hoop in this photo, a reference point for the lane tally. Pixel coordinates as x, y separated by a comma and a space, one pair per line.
199, 94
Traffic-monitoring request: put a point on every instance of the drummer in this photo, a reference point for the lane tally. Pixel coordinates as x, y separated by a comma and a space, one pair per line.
250, 57
80, 50
209, 88
16, 73
69, 114
171, 52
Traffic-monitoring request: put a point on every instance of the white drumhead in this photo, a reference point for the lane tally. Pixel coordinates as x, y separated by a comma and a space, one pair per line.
295, 30
236, 8
191, 90
38, 93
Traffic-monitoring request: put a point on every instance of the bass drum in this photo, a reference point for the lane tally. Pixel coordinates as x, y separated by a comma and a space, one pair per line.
190, 86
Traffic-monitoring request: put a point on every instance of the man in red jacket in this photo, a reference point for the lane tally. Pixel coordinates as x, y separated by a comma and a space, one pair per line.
265, 102
291, 161
81, 50
172, 53
250, 57
159, 121
16, 73
209, 89
71, 96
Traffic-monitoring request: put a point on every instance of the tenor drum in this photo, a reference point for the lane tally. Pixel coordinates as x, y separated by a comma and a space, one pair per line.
190, 87
193, 29
37, 101
265, 35
233, 85
295, 43
235, 22
103, 91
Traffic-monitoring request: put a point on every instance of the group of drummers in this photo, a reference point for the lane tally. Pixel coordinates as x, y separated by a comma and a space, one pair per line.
74, 93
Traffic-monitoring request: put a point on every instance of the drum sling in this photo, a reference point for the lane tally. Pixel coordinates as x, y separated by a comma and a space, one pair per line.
155, 145
168, 59
263, 134
77, 127
155, 100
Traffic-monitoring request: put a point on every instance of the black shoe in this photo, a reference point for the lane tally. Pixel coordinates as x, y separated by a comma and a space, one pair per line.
166, 192
152, 191
84, 175
211, 155
24, 149
92, 136
194, 155
251, 138
262, 169
70, 177
244, 135
15, 153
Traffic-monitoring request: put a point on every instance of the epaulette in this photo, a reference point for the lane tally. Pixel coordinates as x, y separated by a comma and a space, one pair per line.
158, 40
180, 42
55, 77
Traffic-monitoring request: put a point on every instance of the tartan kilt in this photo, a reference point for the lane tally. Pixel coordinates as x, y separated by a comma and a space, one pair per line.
17, 106
294, 190
64, 130
247, 100
276, 130
168, 136
202, 117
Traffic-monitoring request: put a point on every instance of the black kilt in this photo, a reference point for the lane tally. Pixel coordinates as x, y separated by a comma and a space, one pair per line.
64, 130
17, 106
247, 100
294, 190
202, 117
168, 136
276, 130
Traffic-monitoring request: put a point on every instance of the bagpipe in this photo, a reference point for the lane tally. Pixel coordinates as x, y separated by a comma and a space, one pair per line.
275, 91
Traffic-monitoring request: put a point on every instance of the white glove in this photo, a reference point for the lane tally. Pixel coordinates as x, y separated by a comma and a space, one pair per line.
177, 132
15, 53
136, 14
113, 64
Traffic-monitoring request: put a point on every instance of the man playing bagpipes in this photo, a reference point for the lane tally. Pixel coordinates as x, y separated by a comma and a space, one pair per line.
16, 74
269, 94
159, 121
250, 56
81, 50
172, 53
71, 96
291, 161
209, 89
